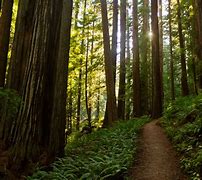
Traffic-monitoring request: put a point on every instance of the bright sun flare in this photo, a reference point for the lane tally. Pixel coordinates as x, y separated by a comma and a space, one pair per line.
150, 34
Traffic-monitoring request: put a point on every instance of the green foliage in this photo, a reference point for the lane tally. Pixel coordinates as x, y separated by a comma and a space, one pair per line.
186, 132
86, 35
9, 103
106, 153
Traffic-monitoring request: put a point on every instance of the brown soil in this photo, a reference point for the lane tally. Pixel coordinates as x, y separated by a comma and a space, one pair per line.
156, 159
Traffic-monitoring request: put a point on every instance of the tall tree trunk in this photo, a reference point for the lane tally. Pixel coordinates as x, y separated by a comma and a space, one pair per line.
198, 14
114, 36
193, 45
172, 82
78, 117
128, 68
58, 119
196, 45
80, 70
156, 80
87, 97
136, 68
70, 109
42, 44
5, 25
144, 54
89, 112
111, 98
114, 48
121, 95
0, 4
184, 83
97, 117
161, 43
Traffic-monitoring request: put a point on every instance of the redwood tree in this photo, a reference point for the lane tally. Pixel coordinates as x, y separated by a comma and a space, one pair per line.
121, 95
39, 73
198, 15
113, 50
172, 82
114, 36
82, 49
144, 50
5, 25
161, 42
136, 69
111, 105
0, 4
157, 107
128, 65
184, 83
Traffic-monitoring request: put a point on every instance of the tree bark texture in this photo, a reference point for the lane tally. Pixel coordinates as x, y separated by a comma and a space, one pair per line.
161, 43
144, 54
0, 4
70, 110
156, 80
136, 64
113, 49
87, 88
114, 36
128, 69
184, 83
121, 95
111, 98
194, 46
5, 25
80, 70
39, 73
172, 82
198, 11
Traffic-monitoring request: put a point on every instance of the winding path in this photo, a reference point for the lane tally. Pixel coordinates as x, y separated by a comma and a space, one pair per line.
156, 158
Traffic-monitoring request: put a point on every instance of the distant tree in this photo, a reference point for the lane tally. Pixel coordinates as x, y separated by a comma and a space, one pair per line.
82, 51
0, 4
128, 65
87, 89
39, 73
192, 45
5, 25
111, 98
172, 83
157, 106
122, 77
160, 10
184, 83
144, 50
69, 109
136, 64
86, 32
114, 36
198, 15
113, 48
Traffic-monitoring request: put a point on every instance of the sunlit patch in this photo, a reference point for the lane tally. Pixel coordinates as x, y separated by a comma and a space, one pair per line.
150, 34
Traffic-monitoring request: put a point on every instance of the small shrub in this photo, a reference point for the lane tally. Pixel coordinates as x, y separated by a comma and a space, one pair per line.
186, 132
9, 103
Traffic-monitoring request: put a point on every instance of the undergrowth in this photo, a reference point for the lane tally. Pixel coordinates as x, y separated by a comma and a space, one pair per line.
183, 123
9, 103
104, 154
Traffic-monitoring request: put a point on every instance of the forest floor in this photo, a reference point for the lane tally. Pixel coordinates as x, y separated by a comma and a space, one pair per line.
156, 158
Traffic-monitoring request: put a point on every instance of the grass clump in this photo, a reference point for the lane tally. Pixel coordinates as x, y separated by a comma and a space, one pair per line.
183, 123
104, 154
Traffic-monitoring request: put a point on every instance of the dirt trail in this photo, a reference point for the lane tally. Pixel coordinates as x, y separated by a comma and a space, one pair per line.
156, 159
